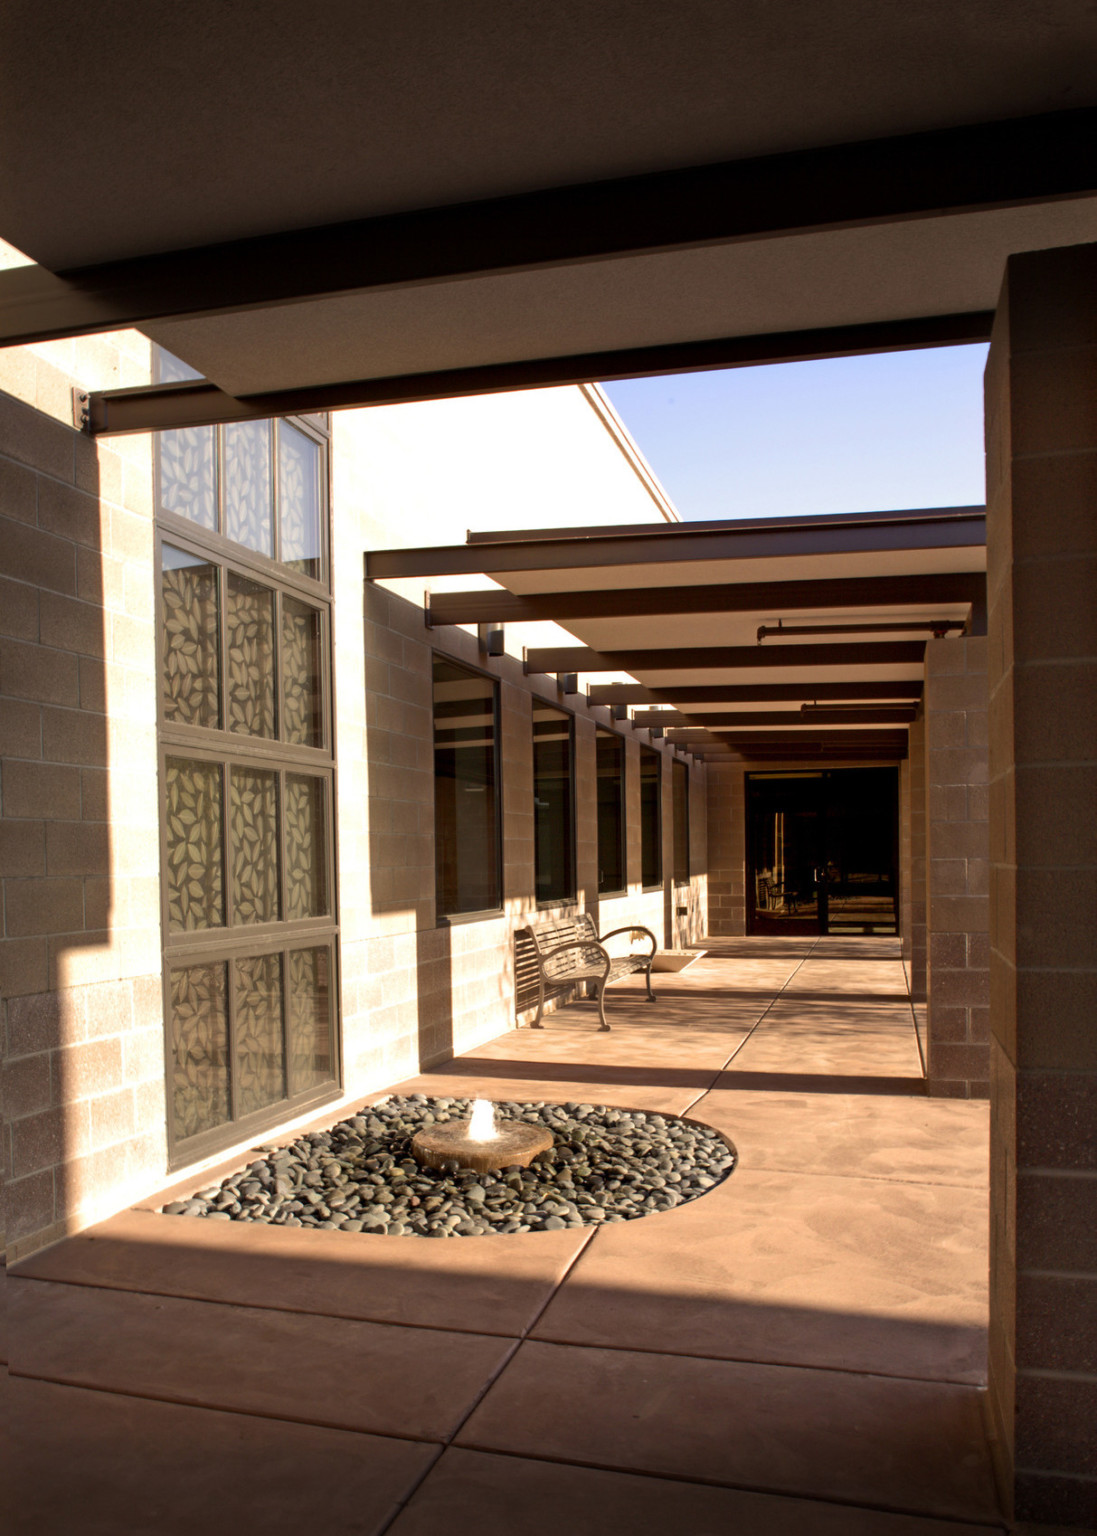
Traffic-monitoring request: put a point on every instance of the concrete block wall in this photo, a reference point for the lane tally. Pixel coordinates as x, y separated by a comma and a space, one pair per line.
727, 849
1042, 629
414, 990
957, 868
80, 994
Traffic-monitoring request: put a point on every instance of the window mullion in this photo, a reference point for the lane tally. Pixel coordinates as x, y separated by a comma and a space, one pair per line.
226, 844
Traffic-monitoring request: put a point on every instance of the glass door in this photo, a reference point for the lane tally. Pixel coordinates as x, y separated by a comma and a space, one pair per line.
785, 826
861, 854
822, 851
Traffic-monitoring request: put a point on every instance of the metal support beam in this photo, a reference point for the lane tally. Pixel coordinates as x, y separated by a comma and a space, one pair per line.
737, 720
700, 694
936, 528
154, 408
580, 658
496, 606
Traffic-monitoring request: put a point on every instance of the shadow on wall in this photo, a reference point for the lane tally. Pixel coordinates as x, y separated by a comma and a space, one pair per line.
63, 1067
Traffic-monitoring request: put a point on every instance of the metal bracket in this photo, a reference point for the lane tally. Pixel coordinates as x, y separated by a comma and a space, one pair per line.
492, 639
81, 410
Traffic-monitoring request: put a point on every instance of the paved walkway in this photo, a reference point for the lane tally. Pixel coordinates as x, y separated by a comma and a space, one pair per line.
800, 1351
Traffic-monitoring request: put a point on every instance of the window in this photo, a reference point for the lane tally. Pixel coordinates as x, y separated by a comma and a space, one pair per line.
553, 804
651, 819
247, 784
610, 750
466, 800
680, 785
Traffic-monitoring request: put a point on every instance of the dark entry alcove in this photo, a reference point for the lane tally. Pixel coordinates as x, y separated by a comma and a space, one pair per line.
822, 851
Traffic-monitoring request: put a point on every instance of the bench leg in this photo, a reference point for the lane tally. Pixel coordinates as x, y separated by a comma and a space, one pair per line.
602, 1009
540, 1008
651, 995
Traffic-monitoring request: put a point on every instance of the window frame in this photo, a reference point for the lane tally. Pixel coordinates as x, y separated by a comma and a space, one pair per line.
227, 749
478, 914
622, 819
571, 896
686, 861
652, 753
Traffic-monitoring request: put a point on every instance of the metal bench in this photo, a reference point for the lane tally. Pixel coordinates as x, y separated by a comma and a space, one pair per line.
557, 956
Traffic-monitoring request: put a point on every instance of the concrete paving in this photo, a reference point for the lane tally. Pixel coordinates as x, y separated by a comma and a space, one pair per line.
801, 1350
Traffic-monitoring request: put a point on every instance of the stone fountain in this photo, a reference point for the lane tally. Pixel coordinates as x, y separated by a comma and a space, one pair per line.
481, 1142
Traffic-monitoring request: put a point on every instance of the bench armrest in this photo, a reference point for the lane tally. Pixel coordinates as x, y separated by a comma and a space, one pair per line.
632, 928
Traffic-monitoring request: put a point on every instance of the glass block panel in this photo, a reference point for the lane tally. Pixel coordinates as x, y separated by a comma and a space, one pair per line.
253, 828
199, 1049
302, 677
311, 1046
195, 858
300, 508
249, 687
188, 475
306, 844
191, 675
260, 1056
249, 510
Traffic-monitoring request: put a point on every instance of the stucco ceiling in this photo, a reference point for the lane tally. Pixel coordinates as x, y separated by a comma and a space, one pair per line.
127, 129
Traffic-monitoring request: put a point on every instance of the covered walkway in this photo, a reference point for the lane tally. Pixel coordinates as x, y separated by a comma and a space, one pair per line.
802, 1350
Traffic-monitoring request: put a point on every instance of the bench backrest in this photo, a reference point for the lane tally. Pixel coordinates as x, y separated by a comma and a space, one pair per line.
531, 943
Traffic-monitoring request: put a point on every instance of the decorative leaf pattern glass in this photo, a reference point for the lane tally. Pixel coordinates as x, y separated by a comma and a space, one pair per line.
249, 687
302, 678
259, 1056
311, 1048
199, 1049
194, 877
299, 503
249, 512
190, 682
306, 864
188, 477
253, 829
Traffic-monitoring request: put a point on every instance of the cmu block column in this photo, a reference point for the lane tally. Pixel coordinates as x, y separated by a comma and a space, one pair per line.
957, 909
1041, 393
727, 837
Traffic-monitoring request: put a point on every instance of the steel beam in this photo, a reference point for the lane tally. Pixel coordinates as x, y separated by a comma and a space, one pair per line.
665, 544
580, 658
701, 694
152, 408
792, 717
1025, 160
496, 606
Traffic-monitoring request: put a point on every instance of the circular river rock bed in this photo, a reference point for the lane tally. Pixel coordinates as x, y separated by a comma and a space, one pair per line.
606, 1165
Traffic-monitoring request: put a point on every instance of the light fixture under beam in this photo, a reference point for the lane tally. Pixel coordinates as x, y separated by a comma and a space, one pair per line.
937, 627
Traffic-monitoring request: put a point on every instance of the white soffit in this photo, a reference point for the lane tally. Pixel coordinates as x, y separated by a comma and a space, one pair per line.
688, 573
899, 271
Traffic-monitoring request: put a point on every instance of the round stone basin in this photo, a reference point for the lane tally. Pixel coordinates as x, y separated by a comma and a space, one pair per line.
514, 1145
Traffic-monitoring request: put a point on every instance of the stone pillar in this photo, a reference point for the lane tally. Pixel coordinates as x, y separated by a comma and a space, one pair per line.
957, 920
1041, 396
917, 765
727, 836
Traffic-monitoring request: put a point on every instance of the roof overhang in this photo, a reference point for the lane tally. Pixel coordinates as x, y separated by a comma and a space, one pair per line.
407, 202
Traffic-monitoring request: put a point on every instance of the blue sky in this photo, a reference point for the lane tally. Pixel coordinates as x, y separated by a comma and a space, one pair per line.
852, 434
